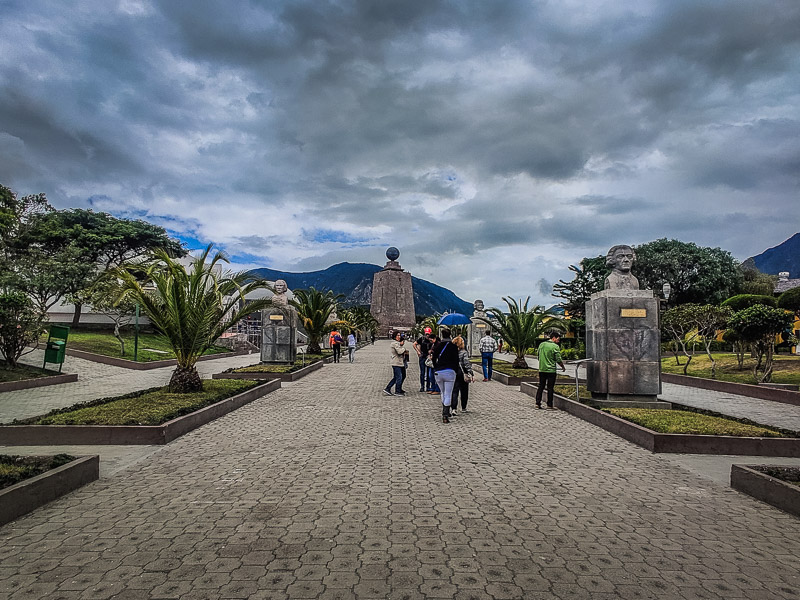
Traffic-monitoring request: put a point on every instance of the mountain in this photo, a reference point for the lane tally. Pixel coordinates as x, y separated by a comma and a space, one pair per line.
354, 282
783, 257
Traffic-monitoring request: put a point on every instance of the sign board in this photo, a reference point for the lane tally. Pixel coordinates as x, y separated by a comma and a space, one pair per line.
633, 312
276, 317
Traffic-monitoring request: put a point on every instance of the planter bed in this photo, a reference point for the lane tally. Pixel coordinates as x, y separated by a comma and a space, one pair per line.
753, 481
29, 494
674, 443
27, 384
728, 387
259, 375
505, 378
144, 366
63, 435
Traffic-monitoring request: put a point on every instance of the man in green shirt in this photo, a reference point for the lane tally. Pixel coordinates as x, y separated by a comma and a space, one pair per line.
549, 357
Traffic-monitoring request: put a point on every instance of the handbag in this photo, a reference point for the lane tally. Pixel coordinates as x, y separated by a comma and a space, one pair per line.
429, 362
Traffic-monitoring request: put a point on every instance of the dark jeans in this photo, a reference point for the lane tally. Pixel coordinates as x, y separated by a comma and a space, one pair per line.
487, 358
549, 380
423, 372
432, 385
461, 388
337, 352
397, 380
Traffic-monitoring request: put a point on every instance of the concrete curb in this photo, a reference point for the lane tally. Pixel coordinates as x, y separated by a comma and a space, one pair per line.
511, 380
294, 376
25, 496
137, 366
76, 435
28, 384
766, 488
742, 389
674, 443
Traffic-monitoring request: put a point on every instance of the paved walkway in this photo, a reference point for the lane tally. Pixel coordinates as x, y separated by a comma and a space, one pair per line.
765, 412
326, 489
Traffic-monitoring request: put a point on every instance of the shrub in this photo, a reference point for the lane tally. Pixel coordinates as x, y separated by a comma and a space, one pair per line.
20, 325
743, 301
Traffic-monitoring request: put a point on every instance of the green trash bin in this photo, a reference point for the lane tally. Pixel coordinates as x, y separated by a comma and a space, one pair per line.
56, 348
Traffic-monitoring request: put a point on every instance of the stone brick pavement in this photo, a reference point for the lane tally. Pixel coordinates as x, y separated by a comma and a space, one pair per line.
95, 380
326, 489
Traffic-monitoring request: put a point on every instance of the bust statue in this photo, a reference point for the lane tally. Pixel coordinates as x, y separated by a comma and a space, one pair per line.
621, 258
479, 309
279, 297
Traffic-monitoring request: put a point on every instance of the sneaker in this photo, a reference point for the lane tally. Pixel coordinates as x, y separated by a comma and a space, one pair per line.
539, 406
387, 393
421, 389
549, 407
485, 379
445, 420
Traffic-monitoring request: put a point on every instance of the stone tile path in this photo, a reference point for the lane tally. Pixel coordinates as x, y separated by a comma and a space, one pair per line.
326, 489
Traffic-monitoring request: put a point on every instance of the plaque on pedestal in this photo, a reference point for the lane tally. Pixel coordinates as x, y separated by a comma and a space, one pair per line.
278, 336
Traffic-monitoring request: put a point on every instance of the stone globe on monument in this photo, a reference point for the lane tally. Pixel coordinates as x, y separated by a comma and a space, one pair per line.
393, 296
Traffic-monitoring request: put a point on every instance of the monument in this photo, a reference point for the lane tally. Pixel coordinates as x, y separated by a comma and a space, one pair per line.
279, 329
623, 339
393, 296
478, 328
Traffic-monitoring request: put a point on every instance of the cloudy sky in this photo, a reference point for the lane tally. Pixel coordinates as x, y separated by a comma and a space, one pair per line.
493, 142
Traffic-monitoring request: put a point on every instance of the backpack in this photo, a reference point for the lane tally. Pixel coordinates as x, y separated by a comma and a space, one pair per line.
337, 338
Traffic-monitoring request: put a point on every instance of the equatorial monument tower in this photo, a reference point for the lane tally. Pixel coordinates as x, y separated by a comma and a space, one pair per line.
393, 296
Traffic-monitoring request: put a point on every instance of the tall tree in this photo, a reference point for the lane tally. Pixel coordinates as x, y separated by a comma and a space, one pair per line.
192, 307
101, 241
697, 274
589, 278
314, 307
521, 327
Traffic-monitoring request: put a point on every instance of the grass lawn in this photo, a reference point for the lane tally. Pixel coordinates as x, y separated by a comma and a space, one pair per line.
22, 372
506, 368
14, 469
568, 390
786, 368
298, 364
104, 342
687, 422
147, 407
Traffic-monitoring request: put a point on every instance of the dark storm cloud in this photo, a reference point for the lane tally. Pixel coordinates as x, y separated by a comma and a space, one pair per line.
455, 129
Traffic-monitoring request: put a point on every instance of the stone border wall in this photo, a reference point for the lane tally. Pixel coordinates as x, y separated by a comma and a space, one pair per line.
25, 496
766, 488
293, 376
143, 366
28, 384
674, 443
69, 435
742, 389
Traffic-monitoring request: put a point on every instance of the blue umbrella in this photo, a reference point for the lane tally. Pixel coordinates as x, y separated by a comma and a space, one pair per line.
454, 319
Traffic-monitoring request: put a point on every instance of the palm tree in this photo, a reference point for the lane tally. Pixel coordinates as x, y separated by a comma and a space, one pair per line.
313, 309
192, 307
521, 326
355, 319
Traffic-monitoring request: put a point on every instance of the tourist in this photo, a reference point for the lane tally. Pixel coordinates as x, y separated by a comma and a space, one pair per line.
405, 358
487, 347
351, 347
422, 347
549, 357
464, 376
335, 340
499, 344
396, 361
445, 365
434, 389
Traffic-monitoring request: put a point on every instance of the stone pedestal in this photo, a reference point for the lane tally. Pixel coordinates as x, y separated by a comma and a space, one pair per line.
623, 341
476, 331
278, 336
393, 298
